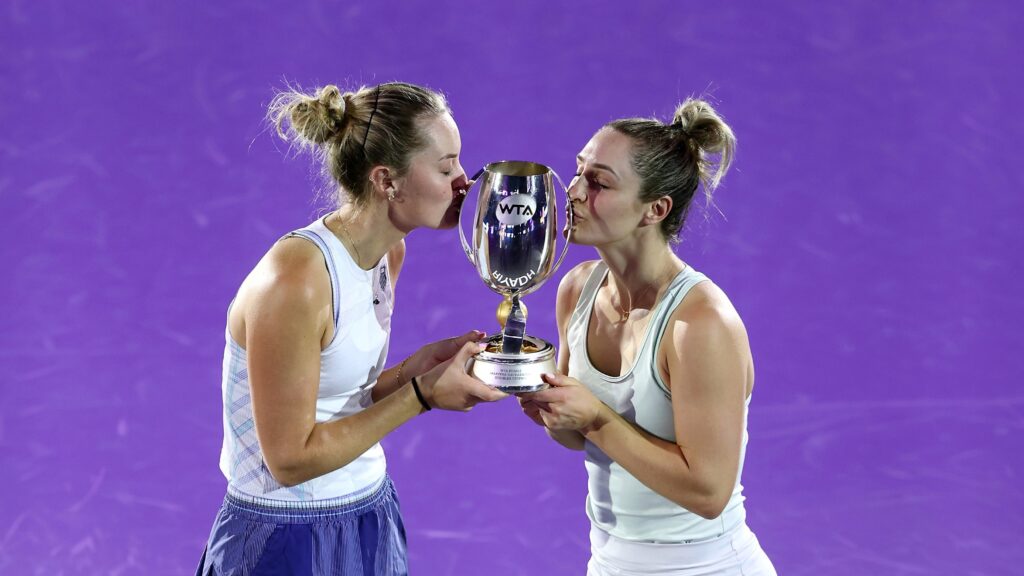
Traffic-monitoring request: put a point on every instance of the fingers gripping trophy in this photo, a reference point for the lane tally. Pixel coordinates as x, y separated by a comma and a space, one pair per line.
513, 250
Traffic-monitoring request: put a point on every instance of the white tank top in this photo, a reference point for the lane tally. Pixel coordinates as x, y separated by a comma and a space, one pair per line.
617, 502
362, 302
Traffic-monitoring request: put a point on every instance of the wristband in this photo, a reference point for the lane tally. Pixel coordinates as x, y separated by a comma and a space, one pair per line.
419, 395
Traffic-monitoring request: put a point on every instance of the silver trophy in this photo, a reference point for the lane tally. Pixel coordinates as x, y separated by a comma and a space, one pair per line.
513, 250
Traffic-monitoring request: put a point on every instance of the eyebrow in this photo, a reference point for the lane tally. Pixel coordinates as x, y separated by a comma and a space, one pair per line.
604, 167
447, 156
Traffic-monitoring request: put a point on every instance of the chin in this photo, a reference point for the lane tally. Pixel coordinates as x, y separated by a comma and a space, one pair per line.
576, 237
450, 219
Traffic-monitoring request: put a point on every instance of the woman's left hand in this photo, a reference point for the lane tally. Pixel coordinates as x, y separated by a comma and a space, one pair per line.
567, 404
435, 353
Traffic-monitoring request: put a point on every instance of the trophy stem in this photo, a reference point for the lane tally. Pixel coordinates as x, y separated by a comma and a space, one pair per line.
515, 329
505, 308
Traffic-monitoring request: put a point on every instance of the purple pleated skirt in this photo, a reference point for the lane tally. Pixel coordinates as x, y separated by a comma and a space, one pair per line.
364, 537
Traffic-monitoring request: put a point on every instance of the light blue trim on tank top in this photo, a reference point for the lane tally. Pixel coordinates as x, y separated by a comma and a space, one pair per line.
332, 273
679, 287
320, 243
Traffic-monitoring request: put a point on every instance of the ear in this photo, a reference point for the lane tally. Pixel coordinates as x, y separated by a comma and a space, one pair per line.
382, 182
657, 211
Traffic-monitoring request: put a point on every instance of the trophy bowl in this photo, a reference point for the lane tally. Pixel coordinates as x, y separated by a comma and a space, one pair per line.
512, 248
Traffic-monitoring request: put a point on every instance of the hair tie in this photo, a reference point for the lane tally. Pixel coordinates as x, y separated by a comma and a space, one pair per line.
419, 395
370, 121
679, 126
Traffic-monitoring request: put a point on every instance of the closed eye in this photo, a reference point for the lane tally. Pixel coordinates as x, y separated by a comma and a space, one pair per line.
592, 182
450, 162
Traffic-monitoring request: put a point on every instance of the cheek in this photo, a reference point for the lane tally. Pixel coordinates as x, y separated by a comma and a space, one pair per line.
442, 188
437, 191
609, 208
427, 187
603, 205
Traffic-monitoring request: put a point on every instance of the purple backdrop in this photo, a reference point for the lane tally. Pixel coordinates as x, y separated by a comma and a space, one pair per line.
869, 228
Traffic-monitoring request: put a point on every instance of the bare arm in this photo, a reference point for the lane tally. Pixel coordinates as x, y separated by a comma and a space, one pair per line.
427, 357
285, 320
284, 323
568, 294
707, 361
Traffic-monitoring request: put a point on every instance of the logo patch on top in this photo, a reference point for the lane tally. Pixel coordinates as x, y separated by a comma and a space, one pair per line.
516, 209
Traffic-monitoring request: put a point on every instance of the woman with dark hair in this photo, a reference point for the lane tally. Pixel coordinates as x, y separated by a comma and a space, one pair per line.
656, 370
306, 396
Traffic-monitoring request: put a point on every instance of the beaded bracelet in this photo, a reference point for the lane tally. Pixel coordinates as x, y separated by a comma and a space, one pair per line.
398, 377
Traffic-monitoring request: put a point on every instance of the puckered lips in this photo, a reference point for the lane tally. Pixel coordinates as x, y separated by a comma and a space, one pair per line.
451, 216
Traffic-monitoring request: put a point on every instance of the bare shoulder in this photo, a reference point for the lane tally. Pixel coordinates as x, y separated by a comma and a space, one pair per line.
706, 318
295, 260
705, 345
571, 285
569, 289
707, 311
291, 273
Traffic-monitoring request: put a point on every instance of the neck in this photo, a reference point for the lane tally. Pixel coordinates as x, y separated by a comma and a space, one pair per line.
366, 230
640, 267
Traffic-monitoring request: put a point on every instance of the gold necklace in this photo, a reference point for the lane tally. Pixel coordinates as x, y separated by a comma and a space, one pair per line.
348, 236
624, 314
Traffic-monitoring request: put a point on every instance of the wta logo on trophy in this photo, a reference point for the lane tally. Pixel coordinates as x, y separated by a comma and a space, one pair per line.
516, 209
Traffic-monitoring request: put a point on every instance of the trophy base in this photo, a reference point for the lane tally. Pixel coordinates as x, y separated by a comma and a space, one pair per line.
514, 373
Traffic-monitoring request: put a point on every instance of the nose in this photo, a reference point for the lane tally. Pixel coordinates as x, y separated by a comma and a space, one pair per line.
577, 193
460, 181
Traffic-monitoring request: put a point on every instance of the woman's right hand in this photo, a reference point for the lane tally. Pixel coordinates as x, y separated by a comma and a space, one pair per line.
532, 409
447, 386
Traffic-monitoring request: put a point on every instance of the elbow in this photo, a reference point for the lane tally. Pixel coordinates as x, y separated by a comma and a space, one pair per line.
707, 504
711, 506
286, 473
287, 479
710, 511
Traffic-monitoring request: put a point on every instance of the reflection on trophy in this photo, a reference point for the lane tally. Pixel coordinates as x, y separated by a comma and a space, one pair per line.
513, 250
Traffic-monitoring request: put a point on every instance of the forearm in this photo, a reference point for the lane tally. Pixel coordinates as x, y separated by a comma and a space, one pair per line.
392, 379
659, 464
332, 445
571, 439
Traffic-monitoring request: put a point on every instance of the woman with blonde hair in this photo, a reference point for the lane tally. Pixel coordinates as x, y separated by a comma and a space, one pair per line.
306, 396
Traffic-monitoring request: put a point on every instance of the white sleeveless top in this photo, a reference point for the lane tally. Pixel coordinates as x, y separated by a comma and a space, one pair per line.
362, 301
617, 502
